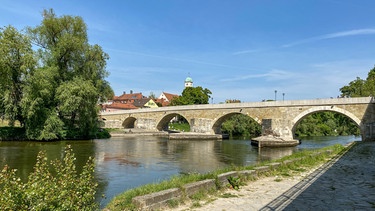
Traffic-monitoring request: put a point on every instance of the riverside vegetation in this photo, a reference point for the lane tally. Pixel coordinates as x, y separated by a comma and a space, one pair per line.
60, 189
52, 79
303, 161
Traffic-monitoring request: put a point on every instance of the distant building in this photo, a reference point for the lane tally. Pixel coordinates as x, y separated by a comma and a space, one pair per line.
188, 82
115, 106
145, 103
128, 98
137, 100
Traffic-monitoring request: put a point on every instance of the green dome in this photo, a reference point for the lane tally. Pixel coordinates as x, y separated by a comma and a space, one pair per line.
188, 79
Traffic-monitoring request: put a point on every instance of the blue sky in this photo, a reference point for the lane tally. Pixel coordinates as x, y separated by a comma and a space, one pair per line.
239, 49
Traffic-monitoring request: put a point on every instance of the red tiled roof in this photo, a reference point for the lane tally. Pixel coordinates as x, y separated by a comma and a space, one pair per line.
162, 102
121, 106
132, 96
170, 96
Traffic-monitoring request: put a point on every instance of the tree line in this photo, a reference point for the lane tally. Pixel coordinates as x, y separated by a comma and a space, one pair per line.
51, 78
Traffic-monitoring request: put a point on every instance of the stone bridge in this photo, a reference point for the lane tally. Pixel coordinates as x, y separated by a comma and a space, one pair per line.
277, 118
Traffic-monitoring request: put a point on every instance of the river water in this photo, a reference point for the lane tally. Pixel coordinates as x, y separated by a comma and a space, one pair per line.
126, 162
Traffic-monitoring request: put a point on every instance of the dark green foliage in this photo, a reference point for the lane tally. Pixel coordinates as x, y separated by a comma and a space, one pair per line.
240, 125
12, 133
61, 189
192, 96
326, 124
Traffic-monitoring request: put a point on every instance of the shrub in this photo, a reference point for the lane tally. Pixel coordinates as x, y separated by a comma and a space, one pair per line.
60, 189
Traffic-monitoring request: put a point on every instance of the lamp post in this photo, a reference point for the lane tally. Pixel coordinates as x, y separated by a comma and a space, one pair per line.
275, 94
283, 96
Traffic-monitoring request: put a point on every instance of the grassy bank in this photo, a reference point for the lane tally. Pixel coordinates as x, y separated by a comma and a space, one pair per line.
302, 161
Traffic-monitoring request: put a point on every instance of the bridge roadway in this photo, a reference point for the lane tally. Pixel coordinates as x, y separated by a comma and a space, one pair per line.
277, 118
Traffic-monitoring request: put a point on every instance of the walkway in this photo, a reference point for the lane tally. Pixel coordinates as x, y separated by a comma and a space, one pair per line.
347, 183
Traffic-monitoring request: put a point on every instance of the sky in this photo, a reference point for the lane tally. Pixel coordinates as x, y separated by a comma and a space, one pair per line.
248, 50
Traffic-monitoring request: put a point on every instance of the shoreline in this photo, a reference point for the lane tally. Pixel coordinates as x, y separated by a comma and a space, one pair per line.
157, 200
328, 186
255, 195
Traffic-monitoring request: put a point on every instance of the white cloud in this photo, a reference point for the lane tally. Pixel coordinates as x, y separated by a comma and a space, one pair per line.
272, 75
356, 32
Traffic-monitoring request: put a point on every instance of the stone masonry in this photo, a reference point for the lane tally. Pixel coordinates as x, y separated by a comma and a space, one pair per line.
278, 118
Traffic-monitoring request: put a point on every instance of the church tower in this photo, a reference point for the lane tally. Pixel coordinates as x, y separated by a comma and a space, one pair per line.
188, 82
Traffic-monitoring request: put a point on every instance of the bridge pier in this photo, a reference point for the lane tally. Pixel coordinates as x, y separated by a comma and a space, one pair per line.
368, 133
201, 125
146, 123
275, 133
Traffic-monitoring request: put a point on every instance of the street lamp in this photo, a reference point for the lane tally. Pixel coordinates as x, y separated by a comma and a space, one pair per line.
275, 94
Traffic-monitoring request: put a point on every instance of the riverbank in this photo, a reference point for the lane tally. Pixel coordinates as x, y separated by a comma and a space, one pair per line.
155, 196
343, 183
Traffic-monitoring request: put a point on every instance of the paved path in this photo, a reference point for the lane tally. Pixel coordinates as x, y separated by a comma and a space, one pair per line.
346, 183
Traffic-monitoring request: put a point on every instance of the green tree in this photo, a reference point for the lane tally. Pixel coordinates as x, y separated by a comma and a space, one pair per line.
61, 96
369, 85
38, 105
360, 87
77, 105
241, 125
16, 63
192, 96
354, 89
326, 123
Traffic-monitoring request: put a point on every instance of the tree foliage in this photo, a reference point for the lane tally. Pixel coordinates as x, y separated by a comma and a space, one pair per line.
360, 87
326, 124
241, 125
16, 63
63, 188
192, 96
52, 91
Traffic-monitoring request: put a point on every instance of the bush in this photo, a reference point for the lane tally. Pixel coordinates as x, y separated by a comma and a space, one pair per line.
60, 189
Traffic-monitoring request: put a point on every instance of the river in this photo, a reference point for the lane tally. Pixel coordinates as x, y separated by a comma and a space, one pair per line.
126, 162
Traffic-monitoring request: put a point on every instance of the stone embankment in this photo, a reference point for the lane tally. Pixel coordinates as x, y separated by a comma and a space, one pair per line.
161, 200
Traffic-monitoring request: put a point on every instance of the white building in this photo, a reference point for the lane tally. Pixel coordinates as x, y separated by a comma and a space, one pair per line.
188, 82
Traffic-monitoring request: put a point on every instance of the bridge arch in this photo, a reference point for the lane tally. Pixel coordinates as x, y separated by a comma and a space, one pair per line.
164, 121
129, 122
217, 125
344, 112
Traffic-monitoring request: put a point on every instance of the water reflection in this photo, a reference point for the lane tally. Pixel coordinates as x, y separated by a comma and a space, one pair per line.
124, 163
274, 153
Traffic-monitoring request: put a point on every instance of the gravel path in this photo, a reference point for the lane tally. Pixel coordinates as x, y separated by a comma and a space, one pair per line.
346, 183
